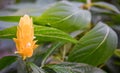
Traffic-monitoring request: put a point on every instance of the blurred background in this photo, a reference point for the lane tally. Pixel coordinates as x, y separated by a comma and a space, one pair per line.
36, 7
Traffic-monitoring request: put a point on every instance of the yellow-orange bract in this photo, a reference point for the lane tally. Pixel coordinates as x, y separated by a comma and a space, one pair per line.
25, 37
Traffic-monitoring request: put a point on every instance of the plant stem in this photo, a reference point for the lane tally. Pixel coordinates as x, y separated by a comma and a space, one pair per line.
88, 1
50, 50
101, 65
27, 67
64, 53
88, 4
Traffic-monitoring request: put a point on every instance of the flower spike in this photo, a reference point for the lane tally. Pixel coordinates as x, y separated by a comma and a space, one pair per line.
25, 43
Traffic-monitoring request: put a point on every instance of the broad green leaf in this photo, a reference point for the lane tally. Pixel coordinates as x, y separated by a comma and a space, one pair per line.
75, 68
42, 34
52, 34
36, 69
107, 6
13, 18
96, 46
65, 16
6, 61
10, 18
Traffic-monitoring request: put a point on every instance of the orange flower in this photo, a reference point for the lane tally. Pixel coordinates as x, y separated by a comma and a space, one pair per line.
25, 37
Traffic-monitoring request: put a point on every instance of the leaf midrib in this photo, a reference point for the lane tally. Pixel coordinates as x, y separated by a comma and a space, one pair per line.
107, 33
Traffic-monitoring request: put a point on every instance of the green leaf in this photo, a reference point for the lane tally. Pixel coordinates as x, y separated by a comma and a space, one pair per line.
50, 51
13, 18
6, 61
65, 16
75, 68
10, 18
107, 6
52, 34
36, 69
96, 46
42, 34
117, 52
115, 19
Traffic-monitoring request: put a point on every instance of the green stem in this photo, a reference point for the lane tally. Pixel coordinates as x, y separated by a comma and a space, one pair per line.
64, 53
50, 50
27, 67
